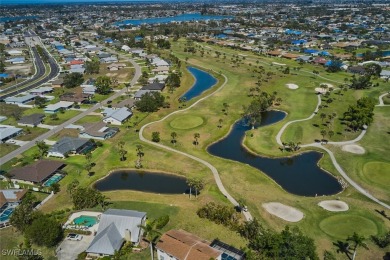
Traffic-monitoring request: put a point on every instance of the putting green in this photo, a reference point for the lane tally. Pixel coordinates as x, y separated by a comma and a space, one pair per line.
186, 122
341, 226
377, 172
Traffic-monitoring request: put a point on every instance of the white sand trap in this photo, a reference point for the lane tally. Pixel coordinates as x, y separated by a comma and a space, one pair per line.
334, 205
353, 148
283, 211
320, 90
328, 84
277, 63
292, 86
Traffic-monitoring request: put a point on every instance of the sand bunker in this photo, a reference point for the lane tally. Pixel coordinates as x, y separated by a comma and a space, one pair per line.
292, 86
283, 211
320, 90
353, 148
277, 63
334, 205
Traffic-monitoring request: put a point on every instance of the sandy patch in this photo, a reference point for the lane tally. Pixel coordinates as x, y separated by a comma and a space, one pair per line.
320, 90
292, 86
334, 205
283, 211
353, 148
277, 63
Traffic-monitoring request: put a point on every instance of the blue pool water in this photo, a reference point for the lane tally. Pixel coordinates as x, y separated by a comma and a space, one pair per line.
54, 179
87, 221
203, 81
4, 217
178, 18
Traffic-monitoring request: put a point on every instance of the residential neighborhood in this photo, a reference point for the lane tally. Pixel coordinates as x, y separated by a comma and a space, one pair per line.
194, 130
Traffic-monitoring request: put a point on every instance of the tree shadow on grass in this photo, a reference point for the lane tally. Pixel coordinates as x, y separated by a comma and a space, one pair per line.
343, 247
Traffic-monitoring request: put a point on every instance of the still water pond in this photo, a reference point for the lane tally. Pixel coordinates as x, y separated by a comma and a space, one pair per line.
299, 174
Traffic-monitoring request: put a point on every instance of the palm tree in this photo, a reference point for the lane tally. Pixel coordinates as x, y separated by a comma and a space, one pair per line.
140, 154
173, 135
330, 133
359, 241
323, 133
151, 234
196, 137
220, 123
323, 116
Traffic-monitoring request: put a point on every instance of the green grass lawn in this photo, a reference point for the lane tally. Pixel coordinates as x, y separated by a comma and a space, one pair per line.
89, 119
62, 117
30, 133
7, 148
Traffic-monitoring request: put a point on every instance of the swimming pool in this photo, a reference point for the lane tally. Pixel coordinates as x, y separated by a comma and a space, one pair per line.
87, 221
4, 217
54, 179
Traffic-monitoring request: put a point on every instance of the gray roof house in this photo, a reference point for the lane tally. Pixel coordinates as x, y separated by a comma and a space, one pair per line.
8, 132
116, 116
98, 131
70, 145
141, 92
31, 120
19, 100
116, 226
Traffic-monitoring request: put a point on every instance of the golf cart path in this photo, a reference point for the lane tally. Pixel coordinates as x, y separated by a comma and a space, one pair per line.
381, 103
216, 176
332, 157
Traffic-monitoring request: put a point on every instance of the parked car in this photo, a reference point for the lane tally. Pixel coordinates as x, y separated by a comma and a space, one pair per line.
74, 237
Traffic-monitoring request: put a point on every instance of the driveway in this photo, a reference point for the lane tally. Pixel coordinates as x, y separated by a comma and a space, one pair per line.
69, 250
16, 142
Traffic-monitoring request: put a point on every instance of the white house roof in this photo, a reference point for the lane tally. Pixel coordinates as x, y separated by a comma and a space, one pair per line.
118, 114
41, 90
113, 225
20, 99
58, 105
8, 131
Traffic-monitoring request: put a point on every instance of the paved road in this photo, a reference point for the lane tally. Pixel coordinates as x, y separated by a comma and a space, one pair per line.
332, 157
214, 170
33, 83
55, 130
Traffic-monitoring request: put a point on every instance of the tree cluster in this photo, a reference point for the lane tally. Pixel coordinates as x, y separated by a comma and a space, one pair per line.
103, 85
163, 44
38, 228
150, 102
87, 198
73, 80
361, 82
360, 114
252, 112
92, 67
268, 244
219, 214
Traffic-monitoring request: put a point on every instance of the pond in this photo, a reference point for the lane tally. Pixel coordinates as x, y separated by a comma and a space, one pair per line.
203, 81
179, 18
143, 181
298, 174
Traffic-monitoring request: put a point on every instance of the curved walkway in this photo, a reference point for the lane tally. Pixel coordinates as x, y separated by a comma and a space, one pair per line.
332, 157
217, 178
381, 103
281, 131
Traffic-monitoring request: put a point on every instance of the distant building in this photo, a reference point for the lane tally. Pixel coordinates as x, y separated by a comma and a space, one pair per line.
115, 227
182, 245
20, 100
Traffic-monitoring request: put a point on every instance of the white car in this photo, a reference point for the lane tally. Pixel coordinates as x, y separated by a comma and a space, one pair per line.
74, 237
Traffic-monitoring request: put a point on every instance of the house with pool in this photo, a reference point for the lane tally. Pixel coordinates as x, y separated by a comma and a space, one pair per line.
42, 172
9, 200
116, 227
